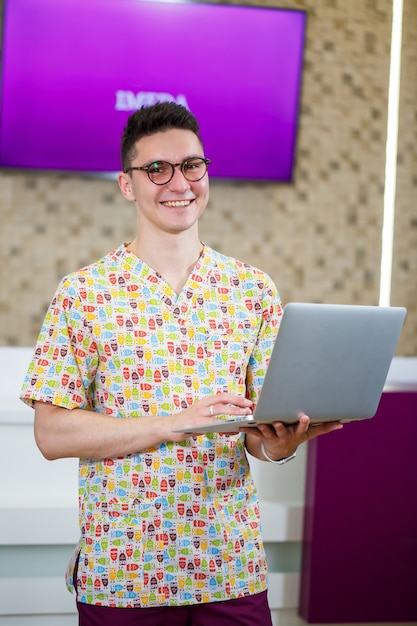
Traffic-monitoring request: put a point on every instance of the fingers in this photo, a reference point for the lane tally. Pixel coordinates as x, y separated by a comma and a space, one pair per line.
298, 433
303, 424
271, 432
322, 429
225, 404
305, 431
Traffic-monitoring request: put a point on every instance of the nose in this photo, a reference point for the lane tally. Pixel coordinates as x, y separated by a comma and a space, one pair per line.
178, 181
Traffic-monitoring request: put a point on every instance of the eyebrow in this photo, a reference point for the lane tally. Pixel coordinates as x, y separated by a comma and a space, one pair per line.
187, 158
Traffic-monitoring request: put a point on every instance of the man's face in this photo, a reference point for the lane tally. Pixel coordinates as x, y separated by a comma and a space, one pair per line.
177, 205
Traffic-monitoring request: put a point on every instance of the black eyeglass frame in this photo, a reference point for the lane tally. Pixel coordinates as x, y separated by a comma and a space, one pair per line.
182, 165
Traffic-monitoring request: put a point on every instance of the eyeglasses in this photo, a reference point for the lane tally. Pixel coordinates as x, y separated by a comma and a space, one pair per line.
161, 172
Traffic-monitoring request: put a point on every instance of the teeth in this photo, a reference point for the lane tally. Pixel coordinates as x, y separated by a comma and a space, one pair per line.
178, 203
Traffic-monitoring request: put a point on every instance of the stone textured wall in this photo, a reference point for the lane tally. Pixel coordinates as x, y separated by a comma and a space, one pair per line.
319, 237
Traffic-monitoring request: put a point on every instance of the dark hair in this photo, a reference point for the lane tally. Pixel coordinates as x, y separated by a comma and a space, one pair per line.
152, 119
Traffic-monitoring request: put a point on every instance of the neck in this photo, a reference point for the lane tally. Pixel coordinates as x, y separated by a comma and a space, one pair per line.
173, 257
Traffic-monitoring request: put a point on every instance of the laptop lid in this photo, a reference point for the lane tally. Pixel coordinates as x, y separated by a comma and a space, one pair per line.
329, 361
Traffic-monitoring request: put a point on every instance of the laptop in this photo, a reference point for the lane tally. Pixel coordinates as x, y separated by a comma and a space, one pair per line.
329, 361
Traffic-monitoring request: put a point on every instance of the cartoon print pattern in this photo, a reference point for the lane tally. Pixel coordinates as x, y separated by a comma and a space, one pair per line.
177, 524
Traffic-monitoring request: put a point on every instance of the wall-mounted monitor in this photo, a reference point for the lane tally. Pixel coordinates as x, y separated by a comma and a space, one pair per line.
74, 70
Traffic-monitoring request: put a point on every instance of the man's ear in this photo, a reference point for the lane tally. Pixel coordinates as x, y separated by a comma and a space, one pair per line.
125, 185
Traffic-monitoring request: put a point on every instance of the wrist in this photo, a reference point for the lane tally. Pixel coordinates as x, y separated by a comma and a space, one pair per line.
278, 461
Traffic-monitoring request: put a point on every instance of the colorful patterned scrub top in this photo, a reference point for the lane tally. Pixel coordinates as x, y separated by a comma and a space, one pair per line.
178, 524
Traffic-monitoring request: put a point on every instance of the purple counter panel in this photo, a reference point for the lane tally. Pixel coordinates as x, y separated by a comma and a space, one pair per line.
360, 527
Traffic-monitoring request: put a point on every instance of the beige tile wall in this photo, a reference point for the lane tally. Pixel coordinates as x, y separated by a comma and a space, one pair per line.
319, 237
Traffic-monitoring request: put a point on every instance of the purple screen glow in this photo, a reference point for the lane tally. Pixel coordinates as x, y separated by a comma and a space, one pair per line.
74, 70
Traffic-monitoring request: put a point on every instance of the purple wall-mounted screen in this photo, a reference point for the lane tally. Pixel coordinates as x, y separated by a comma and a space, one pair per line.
73, 70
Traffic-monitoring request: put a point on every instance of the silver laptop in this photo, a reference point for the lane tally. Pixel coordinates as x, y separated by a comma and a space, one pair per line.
330, 361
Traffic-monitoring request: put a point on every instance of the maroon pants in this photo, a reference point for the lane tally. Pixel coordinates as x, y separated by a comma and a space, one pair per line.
247, 611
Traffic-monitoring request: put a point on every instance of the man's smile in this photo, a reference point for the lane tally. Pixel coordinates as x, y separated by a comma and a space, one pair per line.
177, 203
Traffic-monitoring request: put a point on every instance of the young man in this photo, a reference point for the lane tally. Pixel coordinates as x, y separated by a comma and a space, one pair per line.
161, 334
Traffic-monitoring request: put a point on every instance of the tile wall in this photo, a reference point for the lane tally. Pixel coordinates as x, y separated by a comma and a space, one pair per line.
319, 237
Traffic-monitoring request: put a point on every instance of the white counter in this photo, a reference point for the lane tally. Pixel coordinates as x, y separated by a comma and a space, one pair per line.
38, 505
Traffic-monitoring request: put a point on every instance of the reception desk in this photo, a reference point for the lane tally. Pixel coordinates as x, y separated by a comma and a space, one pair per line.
359, 561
